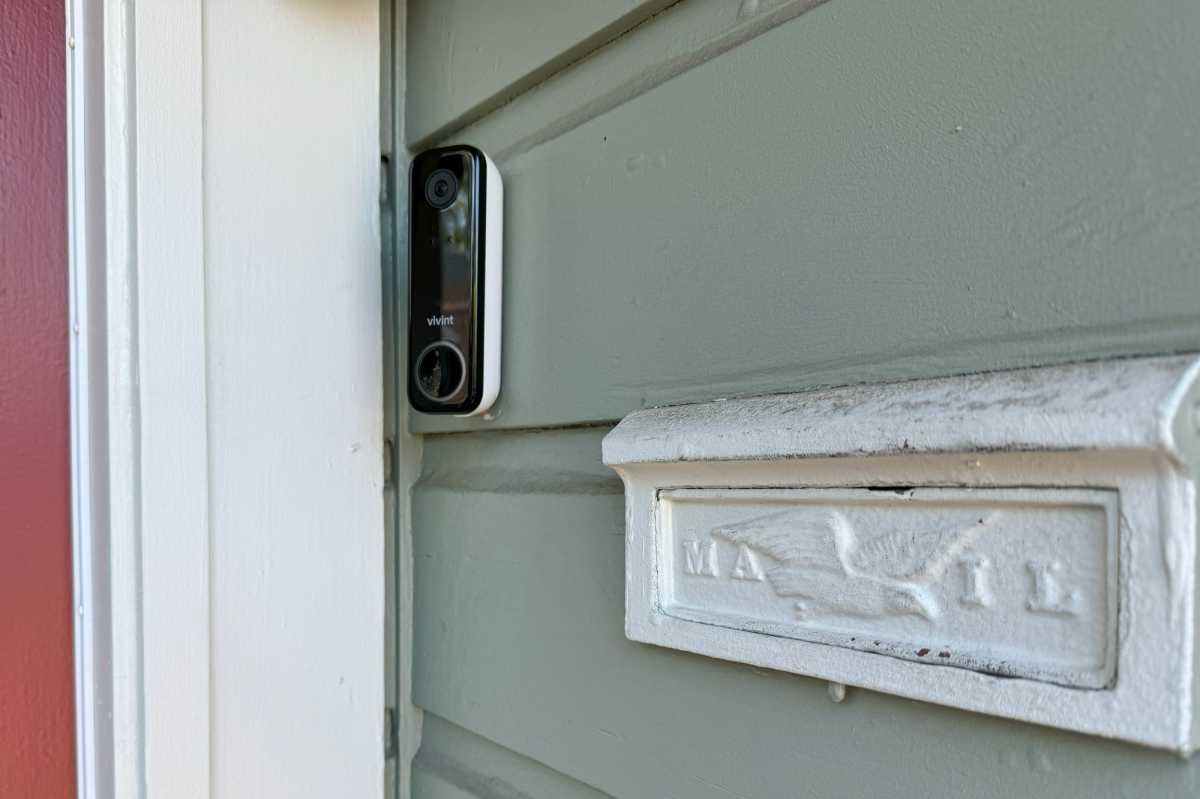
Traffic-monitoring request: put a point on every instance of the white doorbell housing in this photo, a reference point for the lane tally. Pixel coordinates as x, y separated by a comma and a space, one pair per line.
456, 203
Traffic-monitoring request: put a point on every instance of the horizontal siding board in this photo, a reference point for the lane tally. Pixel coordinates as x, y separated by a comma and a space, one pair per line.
430, 784
484, 463
869, 191
456, 763
682, 37
756, 197
467, 56
519, 639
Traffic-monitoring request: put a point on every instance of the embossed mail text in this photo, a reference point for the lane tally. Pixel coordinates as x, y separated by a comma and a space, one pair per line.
1018, 582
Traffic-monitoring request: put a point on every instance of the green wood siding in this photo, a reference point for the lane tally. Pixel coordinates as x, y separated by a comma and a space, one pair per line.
803, 209
470, 56
519, 639
740, 198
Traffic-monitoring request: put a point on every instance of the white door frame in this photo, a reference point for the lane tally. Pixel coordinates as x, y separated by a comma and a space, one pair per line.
139, 407
148, 574
85, 140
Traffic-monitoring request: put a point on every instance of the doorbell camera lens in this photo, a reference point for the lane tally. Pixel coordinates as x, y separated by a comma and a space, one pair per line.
441, 188
440, 371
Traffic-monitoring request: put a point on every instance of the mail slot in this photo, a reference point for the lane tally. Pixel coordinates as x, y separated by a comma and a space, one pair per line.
1020, 544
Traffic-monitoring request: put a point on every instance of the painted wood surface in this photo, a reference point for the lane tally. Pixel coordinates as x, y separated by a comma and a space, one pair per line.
402, 454
762, 197
295, 397
172, 583
470, 56
863, 192
456, 763
37, 708
245, 398
519, 639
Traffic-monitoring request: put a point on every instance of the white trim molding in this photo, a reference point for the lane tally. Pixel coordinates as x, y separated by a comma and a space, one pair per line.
158, 530
227, 398
89, 469
1021, 544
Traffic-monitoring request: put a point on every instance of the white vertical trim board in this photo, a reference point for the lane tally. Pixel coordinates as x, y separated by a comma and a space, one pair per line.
85, 140
292, 251
226, 399
157, 400
119, 341
173, 401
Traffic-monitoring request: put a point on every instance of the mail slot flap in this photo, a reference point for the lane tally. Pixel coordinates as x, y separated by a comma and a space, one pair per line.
1101, 405
917, 539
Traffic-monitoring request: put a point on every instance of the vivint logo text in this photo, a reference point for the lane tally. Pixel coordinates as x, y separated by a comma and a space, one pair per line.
441, 321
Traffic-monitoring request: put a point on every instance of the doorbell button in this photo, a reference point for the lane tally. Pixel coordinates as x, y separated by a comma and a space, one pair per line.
440, 371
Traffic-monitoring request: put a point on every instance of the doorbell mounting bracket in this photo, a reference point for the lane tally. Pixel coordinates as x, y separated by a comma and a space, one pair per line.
456, 223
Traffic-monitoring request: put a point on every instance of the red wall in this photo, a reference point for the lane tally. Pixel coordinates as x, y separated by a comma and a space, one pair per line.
37, 712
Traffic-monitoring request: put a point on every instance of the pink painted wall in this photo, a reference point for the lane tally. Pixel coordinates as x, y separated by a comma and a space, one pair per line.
37, 758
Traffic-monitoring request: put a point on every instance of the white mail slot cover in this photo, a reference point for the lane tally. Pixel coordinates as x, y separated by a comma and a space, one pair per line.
1020, 544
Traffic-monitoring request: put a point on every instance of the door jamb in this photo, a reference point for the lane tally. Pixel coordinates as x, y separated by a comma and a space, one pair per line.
402, 449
